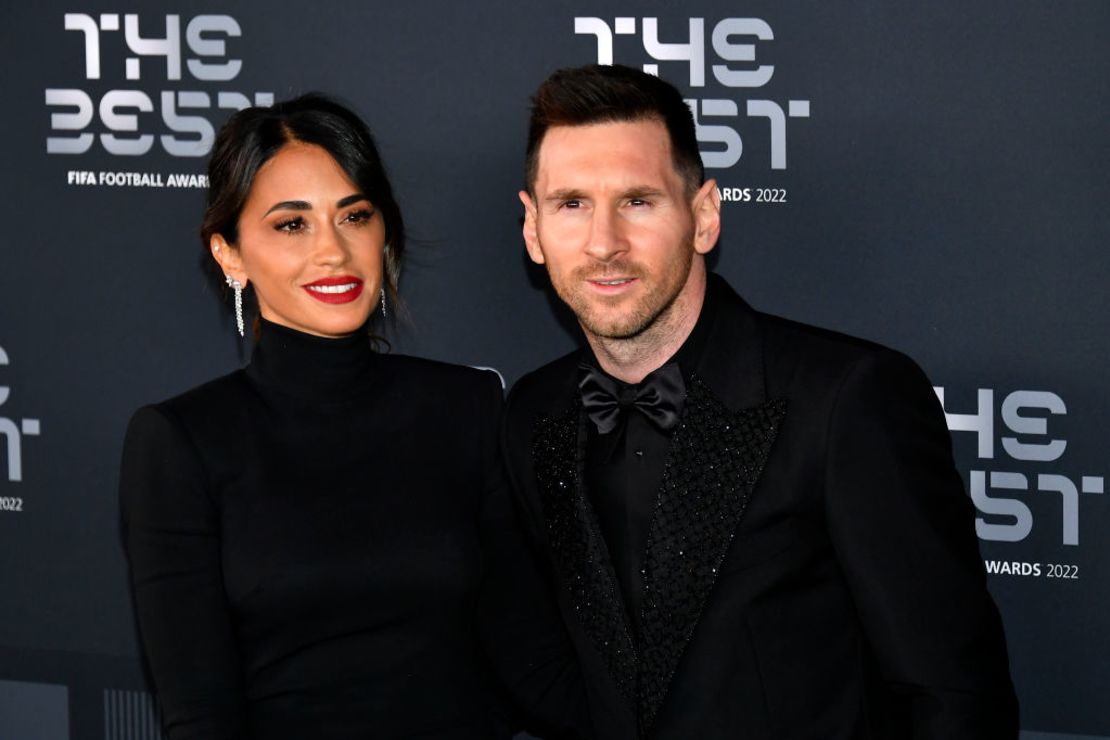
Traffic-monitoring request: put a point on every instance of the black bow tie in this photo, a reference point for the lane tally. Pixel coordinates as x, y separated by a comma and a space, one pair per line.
659, 396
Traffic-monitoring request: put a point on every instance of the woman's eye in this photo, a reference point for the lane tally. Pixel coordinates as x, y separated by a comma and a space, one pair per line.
360, 216
290, 225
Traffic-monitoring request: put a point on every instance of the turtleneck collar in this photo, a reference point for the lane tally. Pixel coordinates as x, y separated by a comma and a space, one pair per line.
311, 367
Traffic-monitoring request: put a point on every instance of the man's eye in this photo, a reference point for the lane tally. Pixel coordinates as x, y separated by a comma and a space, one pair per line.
638, 202
290, 225
572, 203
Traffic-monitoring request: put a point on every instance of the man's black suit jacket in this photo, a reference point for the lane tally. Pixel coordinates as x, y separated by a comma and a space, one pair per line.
812, 571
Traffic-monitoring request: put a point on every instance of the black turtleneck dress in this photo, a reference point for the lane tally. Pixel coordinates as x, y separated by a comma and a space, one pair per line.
314, 544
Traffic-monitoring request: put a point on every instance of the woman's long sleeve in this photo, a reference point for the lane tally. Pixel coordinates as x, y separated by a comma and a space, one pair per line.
171, 532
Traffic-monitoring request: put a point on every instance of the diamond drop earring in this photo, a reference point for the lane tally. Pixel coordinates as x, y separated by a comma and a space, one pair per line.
238, 288
384, 314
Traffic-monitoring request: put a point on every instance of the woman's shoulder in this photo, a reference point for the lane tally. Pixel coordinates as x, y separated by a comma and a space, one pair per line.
172, 448
207, 397
192, 411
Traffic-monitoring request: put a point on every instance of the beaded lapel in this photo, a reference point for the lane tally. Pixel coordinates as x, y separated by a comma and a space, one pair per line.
580, 553
716, 458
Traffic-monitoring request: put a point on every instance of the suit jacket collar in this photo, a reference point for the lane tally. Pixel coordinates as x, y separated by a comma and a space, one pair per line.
716, 457
731, 360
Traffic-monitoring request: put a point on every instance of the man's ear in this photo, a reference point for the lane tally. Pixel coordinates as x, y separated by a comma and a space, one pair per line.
228, 258
531, 239
706, 207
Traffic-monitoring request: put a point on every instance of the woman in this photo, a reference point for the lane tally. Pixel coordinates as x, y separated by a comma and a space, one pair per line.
308, 537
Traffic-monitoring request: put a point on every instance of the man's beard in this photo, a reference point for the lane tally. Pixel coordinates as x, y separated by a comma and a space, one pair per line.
654, 301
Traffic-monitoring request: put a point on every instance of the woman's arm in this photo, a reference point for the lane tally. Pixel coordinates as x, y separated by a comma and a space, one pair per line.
171, 533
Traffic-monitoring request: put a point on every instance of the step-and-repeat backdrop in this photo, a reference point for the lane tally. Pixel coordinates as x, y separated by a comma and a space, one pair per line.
932, 176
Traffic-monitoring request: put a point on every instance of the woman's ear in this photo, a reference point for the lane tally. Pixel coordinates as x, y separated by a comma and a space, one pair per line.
228, 258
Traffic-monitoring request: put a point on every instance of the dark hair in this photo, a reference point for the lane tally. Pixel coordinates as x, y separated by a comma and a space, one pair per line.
251, 137
598, 93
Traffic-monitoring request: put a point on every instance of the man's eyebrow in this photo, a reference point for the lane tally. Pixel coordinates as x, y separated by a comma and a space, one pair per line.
564, 194
643, 192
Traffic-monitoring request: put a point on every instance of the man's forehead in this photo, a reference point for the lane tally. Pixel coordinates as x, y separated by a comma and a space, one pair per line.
643, 130
641, 147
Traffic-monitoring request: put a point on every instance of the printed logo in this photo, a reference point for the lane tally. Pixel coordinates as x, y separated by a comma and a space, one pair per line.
190, 64
1006, 498
725, 77
13, 431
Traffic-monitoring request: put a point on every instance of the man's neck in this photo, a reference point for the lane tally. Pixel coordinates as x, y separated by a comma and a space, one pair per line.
632, 359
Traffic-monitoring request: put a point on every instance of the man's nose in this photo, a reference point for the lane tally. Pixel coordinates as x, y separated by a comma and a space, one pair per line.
607, 236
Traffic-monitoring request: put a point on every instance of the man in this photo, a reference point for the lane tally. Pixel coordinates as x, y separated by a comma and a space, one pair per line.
754, 527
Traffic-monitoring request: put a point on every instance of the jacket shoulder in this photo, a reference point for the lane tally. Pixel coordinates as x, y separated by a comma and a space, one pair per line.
547, 389
797, 353
786, 336
788, 354
781, 333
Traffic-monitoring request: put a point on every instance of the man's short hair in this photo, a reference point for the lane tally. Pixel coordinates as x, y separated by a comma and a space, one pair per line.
580, 96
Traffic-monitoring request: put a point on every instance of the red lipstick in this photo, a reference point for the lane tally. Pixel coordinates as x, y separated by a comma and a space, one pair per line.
341, 289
